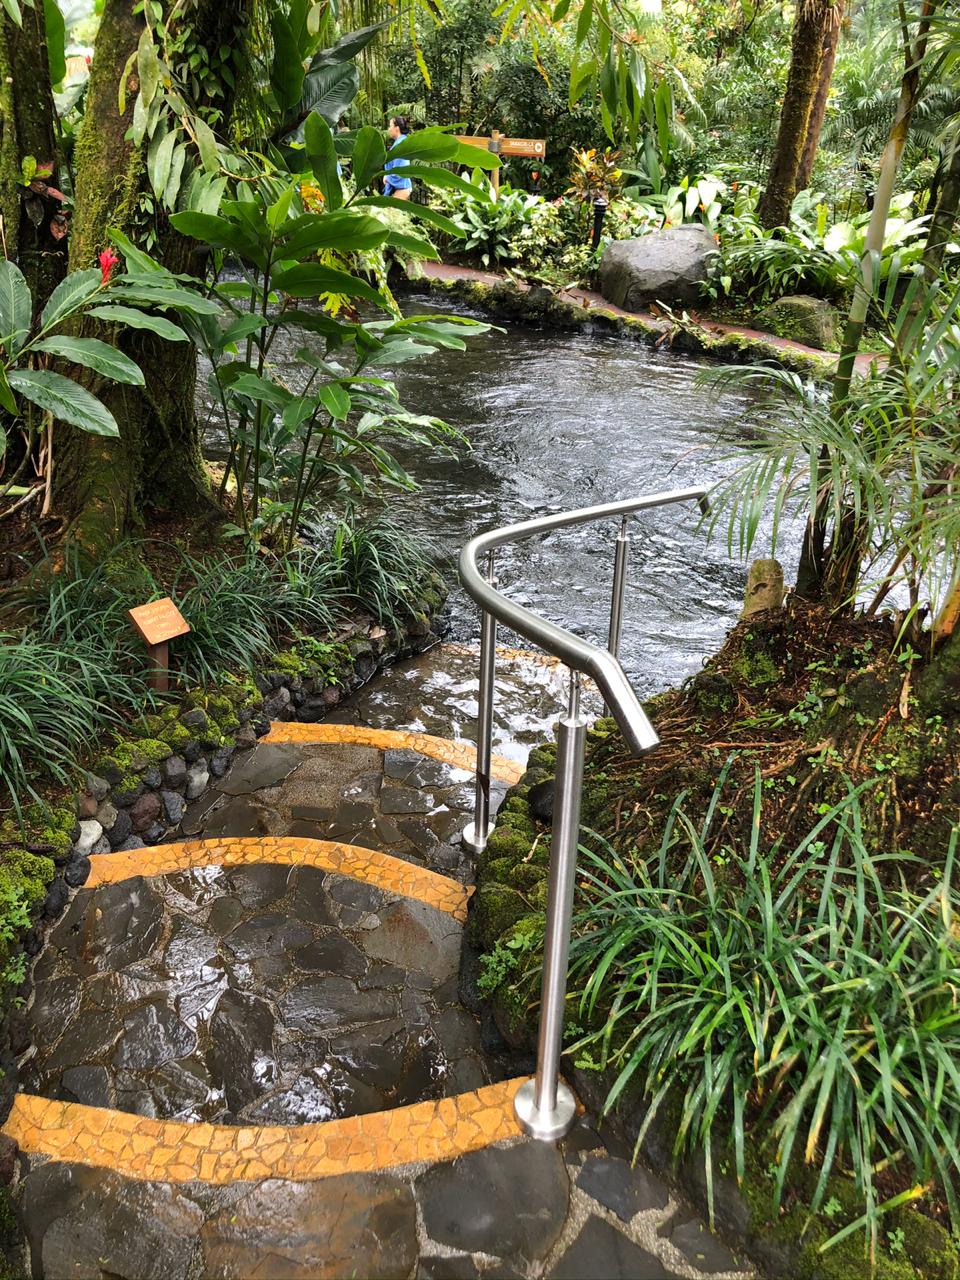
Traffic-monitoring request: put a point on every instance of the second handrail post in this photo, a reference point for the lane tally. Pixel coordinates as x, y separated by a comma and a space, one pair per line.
544, 1106
477, 833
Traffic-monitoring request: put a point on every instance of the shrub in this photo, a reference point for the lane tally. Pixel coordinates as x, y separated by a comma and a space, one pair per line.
803, 997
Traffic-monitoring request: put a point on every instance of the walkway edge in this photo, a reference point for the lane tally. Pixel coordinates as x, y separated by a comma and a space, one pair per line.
393, 875
144, 1149
459, 755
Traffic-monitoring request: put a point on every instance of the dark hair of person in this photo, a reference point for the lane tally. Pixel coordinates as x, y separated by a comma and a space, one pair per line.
402, 123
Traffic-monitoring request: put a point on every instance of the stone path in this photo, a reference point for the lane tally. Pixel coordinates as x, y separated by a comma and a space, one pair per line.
246, 1054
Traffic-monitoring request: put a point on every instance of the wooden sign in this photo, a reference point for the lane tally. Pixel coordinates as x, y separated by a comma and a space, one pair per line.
502, 146
523, 147
157, 624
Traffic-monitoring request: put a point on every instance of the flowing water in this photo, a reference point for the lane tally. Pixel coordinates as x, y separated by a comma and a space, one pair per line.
561, 420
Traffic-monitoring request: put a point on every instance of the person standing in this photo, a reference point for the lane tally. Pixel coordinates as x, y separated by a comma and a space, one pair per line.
393, 185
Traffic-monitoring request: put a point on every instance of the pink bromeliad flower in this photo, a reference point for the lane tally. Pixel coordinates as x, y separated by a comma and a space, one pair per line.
108, 260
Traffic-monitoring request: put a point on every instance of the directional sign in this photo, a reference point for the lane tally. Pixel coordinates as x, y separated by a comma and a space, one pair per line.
523, 147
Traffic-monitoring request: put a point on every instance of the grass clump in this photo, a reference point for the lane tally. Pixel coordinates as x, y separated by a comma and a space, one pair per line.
798, 996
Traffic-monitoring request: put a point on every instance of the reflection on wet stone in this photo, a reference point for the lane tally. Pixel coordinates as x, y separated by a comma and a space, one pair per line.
152, 1035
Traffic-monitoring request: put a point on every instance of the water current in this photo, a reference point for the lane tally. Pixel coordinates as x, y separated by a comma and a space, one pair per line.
560, 420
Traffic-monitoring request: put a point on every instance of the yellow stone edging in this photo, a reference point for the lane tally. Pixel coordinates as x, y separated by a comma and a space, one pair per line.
171, 1151
393, 875
461, 755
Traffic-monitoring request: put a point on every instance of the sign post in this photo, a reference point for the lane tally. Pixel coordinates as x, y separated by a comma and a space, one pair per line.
501, 146
157, 624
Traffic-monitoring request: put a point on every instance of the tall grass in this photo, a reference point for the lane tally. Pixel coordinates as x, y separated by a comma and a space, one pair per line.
803, 998
79, 663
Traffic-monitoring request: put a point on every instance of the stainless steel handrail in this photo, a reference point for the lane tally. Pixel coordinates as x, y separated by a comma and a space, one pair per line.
545, 1106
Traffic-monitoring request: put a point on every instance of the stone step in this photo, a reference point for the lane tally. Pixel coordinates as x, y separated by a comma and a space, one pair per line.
172, 1151
459, 755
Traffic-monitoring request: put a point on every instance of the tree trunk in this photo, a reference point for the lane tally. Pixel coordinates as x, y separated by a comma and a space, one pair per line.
27, 129
809, 29
944, 214
813, 570
818, 111
103, 485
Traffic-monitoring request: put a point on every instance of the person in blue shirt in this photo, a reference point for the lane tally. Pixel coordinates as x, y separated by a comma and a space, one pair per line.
393, 185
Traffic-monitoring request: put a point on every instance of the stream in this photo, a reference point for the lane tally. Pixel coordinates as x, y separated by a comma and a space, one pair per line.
557, 421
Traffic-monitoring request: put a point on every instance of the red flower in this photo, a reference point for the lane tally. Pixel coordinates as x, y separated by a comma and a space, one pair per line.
108, 260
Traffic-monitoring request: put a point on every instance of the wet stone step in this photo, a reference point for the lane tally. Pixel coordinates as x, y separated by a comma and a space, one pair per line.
262, 994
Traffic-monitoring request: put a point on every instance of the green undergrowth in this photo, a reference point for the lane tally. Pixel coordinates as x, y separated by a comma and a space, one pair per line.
799, 928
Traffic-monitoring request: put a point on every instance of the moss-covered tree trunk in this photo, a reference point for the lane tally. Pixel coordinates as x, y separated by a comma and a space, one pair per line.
818, 111
809, 29
106, 486
945, 212
27, 129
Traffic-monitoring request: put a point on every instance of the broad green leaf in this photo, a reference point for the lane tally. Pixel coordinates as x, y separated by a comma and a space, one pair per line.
286, 71
13, 11
278, 211
413, 245
159, 156
329, 90
309, 280
207, 146
242, 327
96, 355
136, 259
259, 388
369, 155
135, 319
148, 67
70, 294
6, 398
472, 157
413, 210
348, 46
172, 189
335, 400
322, 155
141, 117
56, 33
435, 177
142, 292
16, 307
66, 400
429, 145
345, 230
221, 232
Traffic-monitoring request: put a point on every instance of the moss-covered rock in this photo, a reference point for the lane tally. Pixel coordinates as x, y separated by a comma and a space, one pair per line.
811, 321
927, 1245
504, 843
527, 877
518, 822
24, 877
496, 908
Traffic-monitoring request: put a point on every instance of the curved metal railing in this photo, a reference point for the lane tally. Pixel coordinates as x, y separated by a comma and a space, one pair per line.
545, 1106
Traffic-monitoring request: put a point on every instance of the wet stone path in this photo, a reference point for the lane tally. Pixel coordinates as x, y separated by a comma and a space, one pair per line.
246, 1061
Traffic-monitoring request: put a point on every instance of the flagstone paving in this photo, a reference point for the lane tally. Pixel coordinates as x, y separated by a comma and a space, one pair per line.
249, 1056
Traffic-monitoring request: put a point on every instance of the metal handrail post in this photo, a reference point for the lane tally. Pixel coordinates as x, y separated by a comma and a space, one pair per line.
545, 1107
619, 590
477, 833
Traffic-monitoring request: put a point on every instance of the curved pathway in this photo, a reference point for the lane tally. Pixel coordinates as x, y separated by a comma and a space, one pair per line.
254, 1053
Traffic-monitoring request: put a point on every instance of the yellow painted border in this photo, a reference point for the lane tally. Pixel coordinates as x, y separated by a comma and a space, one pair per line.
390, 874
171, 1151
461, 755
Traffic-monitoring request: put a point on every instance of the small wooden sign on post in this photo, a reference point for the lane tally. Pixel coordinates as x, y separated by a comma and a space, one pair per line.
501, 146
157, 624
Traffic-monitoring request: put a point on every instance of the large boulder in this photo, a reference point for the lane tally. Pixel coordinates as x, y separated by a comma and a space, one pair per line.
665, 266
801, 319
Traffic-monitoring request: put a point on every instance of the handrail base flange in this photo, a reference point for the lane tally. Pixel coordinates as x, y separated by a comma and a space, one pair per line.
545, 1126
471, 839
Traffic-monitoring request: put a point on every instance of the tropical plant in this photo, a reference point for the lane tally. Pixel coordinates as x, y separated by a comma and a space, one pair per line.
595, 174
490, 228
811, 255
376, 567
287, 447
797, 1000
878, 467
36, 395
